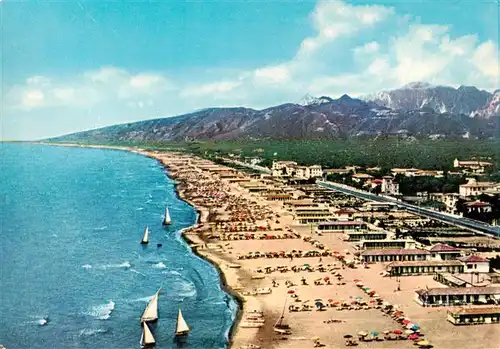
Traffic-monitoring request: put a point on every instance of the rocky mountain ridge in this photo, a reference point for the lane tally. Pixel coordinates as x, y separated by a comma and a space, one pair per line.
323, 117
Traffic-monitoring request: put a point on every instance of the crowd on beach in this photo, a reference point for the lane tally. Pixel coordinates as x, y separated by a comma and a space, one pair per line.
238, 218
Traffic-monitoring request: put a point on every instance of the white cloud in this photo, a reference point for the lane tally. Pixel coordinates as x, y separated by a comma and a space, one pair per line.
485, 59
32, 99
276, 74
64, 94
212, 89
367, 49
401, 53
333, 19
378, 67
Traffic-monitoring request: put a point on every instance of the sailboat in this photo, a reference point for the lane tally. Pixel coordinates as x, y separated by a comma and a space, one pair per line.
145, 238
279, 326
182, 327
151, 311
147, 339
167, 220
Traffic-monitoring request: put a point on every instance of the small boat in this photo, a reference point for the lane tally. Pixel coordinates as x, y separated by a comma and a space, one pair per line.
147, 339
145, 238
167, 220
151, 311
182, 327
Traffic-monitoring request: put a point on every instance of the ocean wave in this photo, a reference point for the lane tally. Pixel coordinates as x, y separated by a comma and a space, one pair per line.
92, 331
125, 265
86, 266
137, 272
101, 228
186, 290
171, 272
40, 320
142, 299
139, 208
159, 265
102, 311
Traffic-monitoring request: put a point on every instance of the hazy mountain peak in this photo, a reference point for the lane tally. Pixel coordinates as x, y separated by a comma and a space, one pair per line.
310, 100
465, 100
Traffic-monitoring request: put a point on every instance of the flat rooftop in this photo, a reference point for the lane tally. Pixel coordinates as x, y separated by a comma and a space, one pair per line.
460, 291
425, 263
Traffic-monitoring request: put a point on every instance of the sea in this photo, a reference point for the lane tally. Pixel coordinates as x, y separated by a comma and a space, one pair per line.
71, 224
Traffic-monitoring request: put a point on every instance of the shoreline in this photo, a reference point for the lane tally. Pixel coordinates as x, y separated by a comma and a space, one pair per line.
189, 240
271, 265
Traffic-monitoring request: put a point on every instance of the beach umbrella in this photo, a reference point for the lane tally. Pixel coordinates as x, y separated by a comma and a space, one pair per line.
291, 291
386, 332
315, 339
347, 336
396, 331
374, 333
319, 304
406, 321
423, 343
413, 336
330, 300
409, 326
415, 327
326, 278
356, 280
362, 333
408, 332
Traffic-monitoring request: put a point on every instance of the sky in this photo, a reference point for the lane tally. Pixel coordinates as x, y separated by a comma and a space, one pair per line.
72, 65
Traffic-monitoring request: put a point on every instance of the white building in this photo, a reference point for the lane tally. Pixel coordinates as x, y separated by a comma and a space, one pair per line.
449, 199
473, 187
476, 264
290, 168
476, 166
389, 186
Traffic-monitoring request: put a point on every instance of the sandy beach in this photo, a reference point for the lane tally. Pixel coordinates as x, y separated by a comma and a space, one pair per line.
276, 268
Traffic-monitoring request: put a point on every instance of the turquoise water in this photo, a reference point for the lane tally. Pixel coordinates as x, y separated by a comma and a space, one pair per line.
71, 223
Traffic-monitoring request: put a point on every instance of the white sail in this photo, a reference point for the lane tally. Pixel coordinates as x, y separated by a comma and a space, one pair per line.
145, 238
167, 219
151, 311
147, 337
182, 326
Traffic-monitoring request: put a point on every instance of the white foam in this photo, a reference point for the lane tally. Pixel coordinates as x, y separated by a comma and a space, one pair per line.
86, 266
142, 299
92, 331
102, 311
139, 208
137, 272
159, 265
171, 272
101, 228
187, 289
125, 265
40, 320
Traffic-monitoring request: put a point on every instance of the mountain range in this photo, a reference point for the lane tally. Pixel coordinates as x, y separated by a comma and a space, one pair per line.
417, 109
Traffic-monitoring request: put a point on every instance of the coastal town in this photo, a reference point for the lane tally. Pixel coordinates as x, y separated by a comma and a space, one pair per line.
315, 267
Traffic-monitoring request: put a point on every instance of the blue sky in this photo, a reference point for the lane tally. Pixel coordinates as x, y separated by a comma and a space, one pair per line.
74, 65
